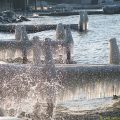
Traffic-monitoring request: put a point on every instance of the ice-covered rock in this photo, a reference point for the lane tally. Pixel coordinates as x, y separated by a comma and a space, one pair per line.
11, 17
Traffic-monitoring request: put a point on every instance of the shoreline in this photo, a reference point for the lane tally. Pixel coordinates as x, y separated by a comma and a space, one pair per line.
70, 13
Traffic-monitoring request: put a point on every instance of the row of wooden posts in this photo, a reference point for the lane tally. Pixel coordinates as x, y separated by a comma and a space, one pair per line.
63, 38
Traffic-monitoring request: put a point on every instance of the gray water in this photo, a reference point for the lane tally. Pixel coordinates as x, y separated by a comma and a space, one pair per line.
91, 47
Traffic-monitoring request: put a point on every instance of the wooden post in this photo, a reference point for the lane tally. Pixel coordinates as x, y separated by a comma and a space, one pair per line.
68, 35
51, 78
69, 44
36, 51
81, 22
85, 20
68, 60
60, 32
114, 52
24, 39
18, 32
49, 59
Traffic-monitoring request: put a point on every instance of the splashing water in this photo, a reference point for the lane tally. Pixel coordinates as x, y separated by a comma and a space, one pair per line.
25, 94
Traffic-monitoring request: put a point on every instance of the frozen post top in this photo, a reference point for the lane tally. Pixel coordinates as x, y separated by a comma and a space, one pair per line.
114, 52
60, 32
36, 51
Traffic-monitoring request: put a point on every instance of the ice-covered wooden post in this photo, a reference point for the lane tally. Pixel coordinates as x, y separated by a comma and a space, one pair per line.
114, 52
36, 51
60, 32
81, 22
24, 39
51, 77
85, 20
69, 44
18, 32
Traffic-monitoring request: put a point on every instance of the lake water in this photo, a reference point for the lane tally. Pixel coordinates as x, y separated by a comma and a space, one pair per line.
91, 47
